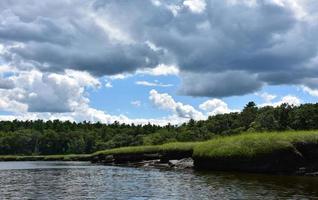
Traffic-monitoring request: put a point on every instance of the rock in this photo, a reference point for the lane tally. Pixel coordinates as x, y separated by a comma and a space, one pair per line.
108, 159
102, 159
181, 164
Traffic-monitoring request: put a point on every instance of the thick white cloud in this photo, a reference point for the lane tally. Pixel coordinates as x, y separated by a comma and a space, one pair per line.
165, 101
215, 106
47, 92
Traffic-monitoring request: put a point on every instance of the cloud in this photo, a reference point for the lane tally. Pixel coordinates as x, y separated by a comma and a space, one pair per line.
264, 42
35, 91
165, 101
136, 103
196, 6
49, 96
219, 84
289, 99
160, 70
6, 83
108, 84
312, 92
82, 39
215, 106
266, 96
152, 84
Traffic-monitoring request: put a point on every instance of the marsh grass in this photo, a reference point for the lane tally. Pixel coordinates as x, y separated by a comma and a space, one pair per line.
252, 144
175, 146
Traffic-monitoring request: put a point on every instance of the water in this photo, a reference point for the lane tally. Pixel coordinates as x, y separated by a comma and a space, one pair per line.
82, 180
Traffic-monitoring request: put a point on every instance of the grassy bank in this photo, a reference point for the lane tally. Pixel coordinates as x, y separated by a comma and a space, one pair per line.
169, 147
246, 145
252, 144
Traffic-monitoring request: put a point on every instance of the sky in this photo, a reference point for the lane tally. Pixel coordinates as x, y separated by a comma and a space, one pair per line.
154, 61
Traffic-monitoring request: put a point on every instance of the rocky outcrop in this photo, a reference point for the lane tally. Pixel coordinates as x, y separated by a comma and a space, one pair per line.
185, 163
175, 159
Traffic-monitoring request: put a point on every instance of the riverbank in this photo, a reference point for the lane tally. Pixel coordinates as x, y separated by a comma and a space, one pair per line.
293, 152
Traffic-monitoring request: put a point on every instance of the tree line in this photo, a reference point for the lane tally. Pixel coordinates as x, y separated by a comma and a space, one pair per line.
64, 137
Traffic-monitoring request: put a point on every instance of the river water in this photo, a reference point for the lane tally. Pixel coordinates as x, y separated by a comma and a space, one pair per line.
82, 180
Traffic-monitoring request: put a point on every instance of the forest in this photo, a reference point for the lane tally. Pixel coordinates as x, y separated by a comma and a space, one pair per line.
64, 137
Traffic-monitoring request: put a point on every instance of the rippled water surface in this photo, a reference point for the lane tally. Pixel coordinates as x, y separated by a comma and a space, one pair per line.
81, 180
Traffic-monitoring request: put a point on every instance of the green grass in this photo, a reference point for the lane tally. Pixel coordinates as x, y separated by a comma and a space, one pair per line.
175, 146
252, 144
178, 146
246, 144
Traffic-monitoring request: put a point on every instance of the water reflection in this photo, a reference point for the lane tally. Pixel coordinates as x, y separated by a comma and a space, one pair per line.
80, 180
260, 186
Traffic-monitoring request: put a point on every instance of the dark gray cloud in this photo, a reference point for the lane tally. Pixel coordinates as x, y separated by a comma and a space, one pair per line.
219, 84
79, 39
6, 83
230, 48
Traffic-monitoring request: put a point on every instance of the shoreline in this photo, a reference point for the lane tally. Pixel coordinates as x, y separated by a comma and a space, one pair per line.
290, 153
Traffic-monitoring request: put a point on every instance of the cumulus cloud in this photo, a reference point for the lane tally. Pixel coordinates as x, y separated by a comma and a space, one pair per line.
210, 107
48, 92
165, 101
289, 99
215, 106
49, 96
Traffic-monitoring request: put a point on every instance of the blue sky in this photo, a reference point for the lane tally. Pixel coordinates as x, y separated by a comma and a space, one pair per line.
157, 61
